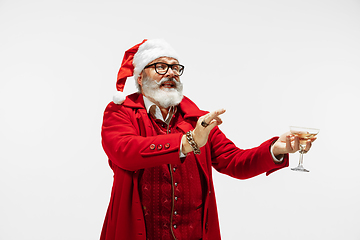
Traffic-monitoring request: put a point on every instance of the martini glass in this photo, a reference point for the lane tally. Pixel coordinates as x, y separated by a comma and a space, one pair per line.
304, 134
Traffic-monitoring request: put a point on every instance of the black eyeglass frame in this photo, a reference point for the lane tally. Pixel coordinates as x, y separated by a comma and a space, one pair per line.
168, 66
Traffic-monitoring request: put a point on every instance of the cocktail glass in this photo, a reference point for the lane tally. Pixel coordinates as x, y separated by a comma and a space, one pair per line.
304, 134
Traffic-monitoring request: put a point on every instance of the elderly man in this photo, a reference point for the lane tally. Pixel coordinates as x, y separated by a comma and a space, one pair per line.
162, 147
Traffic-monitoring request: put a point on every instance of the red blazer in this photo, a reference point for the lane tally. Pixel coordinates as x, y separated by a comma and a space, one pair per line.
128, 137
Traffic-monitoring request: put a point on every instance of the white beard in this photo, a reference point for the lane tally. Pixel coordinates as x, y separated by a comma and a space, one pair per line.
164, 97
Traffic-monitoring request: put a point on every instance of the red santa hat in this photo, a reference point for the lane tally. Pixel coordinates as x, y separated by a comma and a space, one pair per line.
136, 58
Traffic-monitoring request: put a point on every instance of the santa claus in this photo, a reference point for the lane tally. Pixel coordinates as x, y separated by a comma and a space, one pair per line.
162, 148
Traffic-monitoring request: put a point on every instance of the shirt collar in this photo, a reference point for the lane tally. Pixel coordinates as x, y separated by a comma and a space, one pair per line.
155, 111
148, 104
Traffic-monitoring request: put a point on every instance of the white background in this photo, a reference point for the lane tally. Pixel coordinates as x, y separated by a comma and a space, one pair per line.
271, 64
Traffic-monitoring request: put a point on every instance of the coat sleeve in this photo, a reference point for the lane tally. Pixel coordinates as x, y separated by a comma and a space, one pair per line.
240, 163
126, 148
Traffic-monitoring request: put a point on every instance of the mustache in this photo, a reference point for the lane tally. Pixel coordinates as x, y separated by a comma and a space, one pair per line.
162, 81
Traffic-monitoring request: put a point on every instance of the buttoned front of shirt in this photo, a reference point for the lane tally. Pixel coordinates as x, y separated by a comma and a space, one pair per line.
171, 195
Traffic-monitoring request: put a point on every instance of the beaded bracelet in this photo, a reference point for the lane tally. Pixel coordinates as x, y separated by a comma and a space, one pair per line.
192, 143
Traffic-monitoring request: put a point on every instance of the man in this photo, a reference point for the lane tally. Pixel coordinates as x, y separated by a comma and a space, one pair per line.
162, 148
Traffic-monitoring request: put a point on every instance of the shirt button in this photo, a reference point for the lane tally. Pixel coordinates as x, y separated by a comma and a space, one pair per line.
152, 146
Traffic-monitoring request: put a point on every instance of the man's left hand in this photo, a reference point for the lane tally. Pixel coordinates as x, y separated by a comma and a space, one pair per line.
288, 143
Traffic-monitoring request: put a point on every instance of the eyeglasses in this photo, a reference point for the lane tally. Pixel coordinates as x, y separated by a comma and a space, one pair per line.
162, 68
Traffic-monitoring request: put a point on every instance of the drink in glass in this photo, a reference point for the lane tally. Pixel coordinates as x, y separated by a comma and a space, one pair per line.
304, 134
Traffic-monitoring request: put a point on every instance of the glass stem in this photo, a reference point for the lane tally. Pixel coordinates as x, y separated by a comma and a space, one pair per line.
301, 159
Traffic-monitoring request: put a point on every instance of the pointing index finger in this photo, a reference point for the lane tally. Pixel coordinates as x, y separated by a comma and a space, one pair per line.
214, 114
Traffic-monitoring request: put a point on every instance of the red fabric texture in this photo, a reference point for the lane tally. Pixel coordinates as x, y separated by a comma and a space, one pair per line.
127, 69
156, 188
128, 136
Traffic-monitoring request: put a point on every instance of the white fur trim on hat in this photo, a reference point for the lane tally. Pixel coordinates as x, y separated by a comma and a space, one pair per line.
149, 51
119, 97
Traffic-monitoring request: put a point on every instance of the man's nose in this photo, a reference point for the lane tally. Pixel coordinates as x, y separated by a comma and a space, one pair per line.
170, 73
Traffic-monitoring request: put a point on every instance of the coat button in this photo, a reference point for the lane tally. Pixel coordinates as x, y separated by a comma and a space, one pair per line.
167, 145
152, 146
175, 226
159, 147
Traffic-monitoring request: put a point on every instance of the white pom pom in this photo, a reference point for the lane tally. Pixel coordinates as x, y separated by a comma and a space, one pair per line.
119, 97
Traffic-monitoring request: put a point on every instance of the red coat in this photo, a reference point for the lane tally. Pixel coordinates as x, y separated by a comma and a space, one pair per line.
128, 137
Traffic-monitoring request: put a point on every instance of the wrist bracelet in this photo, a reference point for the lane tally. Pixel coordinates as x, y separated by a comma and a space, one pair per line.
192, 143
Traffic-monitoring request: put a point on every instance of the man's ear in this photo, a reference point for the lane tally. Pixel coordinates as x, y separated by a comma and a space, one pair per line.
139, 80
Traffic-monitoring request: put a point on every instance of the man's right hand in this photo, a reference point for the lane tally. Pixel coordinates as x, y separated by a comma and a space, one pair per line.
201, 133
